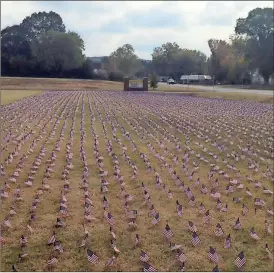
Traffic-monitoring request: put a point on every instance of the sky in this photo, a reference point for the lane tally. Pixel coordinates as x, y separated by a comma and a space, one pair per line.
106, 25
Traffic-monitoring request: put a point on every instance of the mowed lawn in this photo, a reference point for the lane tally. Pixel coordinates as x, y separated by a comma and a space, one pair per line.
8, 96
10, 86
109, 115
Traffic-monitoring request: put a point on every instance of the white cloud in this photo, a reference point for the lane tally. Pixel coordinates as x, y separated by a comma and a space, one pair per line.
200, 22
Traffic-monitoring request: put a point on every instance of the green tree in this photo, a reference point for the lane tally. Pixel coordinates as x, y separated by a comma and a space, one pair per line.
171, 60
154, 81
125, 60
39, 23
57, 52
15, 51
258, 28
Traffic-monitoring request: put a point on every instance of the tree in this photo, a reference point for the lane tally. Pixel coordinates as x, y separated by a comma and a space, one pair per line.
39, 23
57, 52
257, 27
171, 60
15, 50
125, 60
154, 81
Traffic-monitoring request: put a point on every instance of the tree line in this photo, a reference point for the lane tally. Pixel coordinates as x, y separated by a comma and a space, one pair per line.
40, 46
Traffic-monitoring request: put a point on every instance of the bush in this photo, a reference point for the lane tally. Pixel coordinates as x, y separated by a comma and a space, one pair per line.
154, 81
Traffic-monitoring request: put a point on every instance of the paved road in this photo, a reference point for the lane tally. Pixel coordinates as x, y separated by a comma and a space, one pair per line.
224, 89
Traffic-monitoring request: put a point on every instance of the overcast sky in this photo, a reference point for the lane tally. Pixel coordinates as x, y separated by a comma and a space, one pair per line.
104, 26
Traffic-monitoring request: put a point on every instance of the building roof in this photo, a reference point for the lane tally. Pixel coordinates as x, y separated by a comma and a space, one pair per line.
97, 59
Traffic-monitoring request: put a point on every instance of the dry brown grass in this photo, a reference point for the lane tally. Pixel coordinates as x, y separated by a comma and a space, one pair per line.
8, 96
153, 242
48, 84
13, 85
236, 96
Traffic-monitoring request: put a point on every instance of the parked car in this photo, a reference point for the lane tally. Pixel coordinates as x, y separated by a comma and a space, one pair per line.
170, 81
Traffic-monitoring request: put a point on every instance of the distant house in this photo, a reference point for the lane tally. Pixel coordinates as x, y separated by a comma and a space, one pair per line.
97, 62
257, 79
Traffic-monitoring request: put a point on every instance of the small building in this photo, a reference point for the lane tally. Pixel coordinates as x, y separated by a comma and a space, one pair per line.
258, 79
97, 62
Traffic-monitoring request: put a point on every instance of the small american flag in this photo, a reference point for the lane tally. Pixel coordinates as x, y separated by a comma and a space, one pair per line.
144, 257
219, 204
188, 192
168, 232
149, 268
179, 209
109, 218
213, 256
202, 208
152, 211
257, 202
244, 209
227, 243
192, 227
240, 260
23, 241
237, 224
52, 239
181, 256
52, 261
206, 217
195, 240
146, 195
192, 201
105, 202
156, 219
219, 231
92, 258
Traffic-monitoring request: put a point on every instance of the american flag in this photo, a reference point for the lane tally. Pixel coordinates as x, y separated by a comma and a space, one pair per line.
206, 217
152, 211
227, 243
58, 247
192, 201
52, 261
188, 192
181, 256
92, 258
137, 240
149, 268
146, 195
257, 202
156, 219
52, 239
195, 240
219, 231
191, 226
109, 218
237, 224
144, 257
179, 209
213, 256
219, 204
23, 241
168, 232
240, 260
244, 209
202, 208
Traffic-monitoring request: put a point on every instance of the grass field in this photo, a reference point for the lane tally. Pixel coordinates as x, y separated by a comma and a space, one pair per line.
11, 88
8, 96
84, 126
